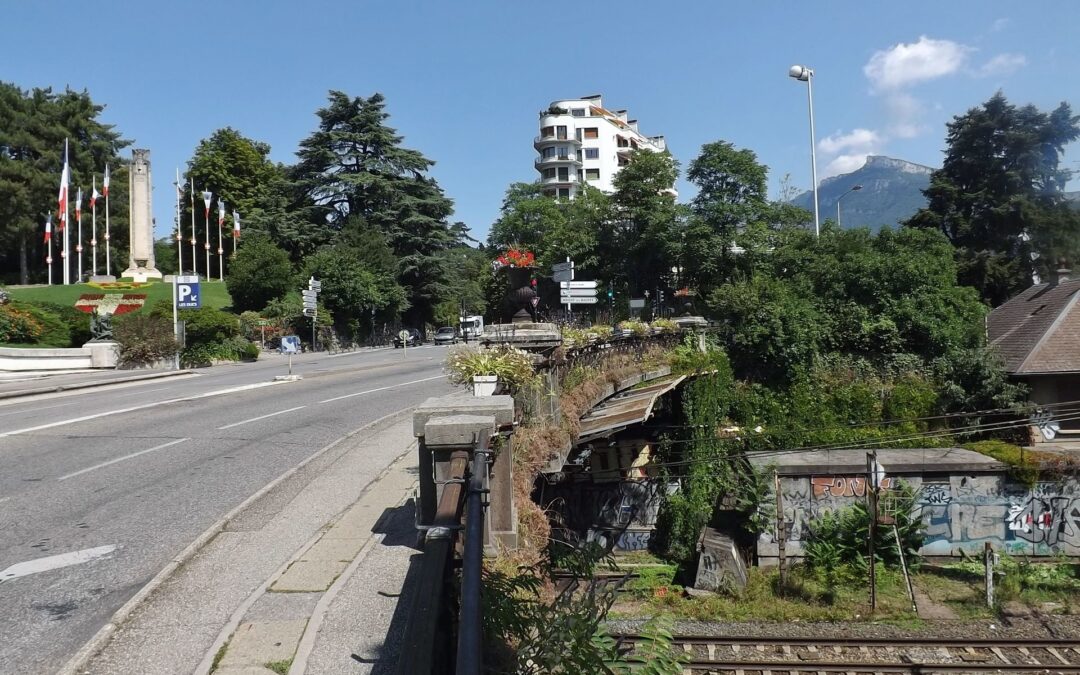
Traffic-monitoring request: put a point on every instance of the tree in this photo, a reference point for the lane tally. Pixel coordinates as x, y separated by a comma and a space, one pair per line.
238, 171
350, 289
353, 167
467, 269
33, 126
553, 230
259, 273
999, 195
642, 232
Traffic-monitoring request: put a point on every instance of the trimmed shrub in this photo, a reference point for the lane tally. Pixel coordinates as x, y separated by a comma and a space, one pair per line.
144, 338
18, 325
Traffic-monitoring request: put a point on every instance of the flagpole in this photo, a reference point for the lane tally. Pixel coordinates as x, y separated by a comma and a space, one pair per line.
179, 234
194, 256
206, 242
64, 253
48, 243
108, 247
93, 228
220, 250
78, 246
236, 231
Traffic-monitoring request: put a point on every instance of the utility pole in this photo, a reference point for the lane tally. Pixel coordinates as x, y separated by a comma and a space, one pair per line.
780, 533
872, 507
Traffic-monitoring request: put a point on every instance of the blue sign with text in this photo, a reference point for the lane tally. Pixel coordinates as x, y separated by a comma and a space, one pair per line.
187, 295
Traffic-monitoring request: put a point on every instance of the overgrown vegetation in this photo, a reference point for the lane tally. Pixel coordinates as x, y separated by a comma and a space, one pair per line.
144, 339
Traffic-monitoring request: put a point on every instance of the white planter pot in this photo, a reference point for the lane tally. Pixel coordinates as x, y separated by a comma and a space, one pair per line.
484, 385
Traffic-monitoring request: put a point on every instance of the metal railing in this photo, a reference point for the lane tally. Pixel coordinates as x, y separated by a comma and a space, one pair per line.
427, 646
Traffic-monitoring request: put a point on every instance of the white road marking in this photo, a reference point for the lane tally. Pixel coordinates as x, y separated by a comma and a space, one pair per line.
34, 410
261, 417
140, 393
54, 562
144, 406
393, 386
120, 459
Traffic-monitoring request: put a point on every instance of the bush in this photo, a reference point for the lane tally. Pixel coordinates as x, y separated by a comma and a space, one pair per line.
144, 338
259, 274
513, 367
75, 331
209, 326
18, 325
635, 327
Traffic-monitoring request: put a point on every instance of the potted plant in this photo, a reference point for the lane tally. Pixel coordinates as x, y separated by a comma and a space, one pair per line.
485, 369
519, 263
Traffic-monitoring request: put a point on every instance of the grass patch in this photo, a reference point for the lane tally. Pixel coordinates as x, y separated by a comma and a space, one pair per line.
1024, 465
219, 655
214, 294
279, 667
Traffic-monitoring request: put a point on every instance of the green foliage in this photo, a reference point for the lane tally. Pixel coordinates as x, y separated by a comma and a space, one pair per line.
350, 289
144, 338
839, 538
999, 195
18, 325
1024, 466
33, 126
207, 326
258, 274
657, 654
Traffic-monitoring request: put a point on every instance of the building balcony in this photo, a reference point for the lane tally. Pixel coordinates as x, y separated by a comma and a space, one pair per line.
559, 182
541, 162
545, 141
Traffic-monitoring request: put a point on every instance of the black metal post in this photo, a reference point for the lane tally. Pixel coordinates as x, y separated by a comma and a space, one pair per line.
469, 648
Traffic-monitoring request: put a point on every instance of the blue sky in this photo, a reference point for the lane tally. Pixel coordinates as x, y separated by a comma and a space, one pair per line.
464, 80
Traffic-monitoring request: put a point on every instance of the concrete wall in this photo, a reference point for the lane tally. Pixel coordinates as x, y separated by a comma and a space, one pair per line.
960, 511
621, 510
12, 359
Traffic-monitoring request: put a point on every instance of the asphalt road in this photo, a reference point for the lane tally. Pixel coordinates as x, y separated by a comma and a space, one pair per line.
100, 488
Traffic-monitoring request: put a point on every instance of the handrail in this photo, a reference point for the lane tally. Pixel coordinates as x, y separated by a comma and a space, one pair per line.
470, 659
423, 650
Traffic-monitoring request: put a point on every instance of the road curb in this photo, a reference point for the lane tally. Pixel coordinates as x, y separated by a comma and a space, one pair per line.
98, 642
89, 385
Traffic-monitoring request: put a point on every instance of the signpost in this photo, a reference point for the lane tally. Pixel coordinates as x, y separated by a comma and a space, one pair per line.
577, 293
311, 300
185, 295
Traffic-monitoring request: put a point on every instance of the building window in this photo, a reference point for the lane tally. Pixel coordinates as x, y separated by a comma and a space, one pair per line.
547, 132
547, 153
549, 193
578, 112
564, 174
564, 193
578, 154
592, 153
560, 132
577, 134
592, 132
592, 174
579, 175
564, 153
549, 173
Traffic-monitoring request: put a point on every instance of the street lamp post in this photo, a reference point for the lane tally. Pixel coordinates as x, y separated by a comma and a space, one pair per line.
804, 74
206, 195
854, 188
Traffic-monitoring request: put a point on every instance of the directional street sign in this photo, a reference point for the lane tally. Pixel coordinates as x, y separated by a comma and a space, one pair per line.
314, 285
562, 267
578, 284
563, 276
577, 292
187, 293
309, 311
309, 294
578, 300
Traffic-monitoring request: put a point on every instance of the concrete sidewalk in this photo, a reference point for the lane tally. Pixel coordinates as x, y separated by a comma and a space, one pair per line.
304, 576
17, 384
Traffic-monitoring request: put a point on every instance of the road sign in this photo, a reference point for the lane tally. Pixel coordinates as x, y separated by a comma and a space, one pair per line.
563, 267
310, 312
309, 294
578, 284
187, 295
578, 300
577, 292
637, 303
563, 276
314, 285
290, 344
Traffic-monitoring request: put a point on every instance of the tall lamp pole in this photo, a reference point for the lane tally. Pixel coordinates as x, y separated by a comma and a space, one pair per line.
206, 195
854, 188
804, 74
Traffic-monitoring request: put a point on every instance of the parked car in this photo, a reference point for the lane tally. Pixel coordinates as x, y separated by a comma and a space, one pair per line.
447, 335
408, 337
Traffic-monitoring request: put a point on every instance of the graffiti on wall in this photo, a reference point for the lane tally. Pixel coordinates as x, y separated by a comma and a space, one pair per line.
960, 513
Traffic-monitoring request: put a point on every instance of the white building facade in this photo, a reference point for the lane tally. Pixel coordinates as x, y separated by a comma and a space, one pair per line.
582, 143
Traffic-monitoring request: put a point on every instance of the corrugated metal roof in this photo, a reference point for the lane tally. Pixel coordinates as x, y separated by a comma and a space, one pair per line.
621, 410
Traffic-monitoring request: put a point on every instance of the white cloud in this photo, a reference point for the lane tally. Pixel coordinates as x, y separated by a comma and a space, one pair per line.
905, 112
1003, 64
845, 164
856, 140
1000, 24
906, 64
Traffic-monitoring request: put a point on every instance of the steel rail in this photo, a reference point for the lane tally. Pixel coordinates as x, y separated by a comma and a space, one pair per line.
856, 667
768, 640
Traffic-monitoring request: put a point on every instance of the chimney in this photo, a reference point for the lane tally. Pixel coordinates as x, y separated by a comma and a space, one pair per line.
1062, 272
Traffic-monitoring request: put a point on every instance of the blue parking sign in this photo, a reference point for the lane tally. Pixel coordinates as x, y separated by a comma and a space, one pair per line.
187, 293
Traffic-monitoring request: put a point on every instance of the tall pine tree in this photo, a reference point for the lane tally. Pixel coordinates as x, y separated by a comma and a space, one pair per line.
999, 195
356, 174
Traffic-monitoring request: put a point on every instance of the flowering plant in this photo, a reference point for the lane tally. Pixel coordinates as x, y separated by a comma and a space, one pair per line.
515, 257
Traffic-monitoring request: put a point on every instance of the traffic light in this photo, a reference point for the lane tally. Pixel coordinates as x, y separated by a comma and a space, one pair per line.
610, 294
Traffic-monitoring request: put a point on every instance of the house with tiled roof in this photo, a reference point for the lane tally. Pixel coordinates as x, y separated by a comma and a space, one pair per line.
1037, 334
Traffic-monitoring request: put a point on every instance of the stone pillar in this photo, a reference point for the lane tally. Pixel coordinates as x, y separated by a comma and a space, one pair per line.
141, 264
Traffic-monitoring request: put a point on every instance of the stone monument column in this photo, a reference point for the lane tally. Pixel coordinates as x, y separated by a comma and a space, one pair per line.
141, 266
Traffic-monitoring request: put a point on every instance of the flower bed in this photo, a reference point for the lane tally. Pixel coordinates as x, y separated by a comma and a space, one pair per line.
110, 303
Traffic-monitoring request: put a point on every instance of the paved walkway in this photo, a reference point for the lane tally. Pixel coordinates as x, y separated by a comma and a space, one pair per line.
306, 576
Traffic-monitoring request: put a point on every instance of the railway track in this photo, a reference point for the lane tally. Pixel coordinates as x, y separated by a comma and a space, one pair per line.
778, 656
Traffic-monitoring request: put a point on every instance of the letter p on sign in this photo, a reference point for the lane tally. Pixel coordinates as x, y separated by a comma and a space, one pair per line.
187, 296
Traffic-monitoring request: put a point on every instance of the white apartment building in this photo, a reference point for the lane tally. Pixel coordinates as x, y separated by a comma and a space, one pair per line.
581, 142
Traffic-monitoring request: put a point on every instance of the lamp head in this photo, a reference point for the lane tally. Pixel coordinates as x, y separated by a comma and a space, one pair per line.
800, 73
